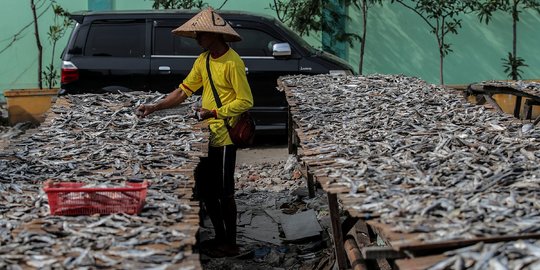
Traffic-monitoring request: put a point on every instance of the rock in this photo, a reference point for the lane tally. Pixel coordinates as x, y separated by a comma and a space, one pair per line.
289, 263
301, 225
273, 258
254, 177
301, 192
296, 174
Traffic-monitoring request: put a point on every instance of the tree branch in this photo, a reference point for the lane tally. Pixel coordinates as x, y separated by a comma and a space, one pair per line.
16, 36
224, 2
416, 11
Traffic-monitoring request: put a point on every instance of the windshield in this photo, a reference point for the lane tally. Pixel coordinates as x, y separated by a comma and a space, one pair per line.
296, 37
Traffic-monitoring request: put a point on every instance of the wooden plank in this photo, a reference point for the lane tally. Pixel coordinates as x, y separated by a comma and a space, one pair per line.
363, 215
387, 235
354, 255
409, 242
320, 162
381, 252
419, 263
477, 89
493, 103
336, 189
360, 233
452, 244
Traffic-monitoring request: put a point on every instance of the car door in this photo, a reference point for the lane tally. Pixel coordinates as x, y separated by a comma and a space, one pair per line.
114, 55
172, 56
263, 70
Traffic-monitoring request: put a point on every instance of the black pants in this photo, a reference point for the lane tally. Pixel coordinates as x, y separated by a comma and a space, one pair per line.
214, 180
215, 174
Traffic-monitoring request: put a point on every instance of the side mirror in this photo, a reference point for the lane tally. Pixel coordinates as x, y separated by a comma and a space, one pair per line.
281, 49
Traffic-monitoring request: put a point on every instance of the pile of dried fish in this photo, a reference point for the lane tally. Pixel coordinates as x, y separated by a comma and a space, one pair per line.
420, 156
98, 139
522, 254
9, 132
29, 236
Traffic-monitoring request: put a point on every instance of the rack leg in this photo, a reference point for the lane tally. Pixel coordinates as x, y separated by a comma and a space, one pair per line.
517, 107
291, 135
339, 247
310, 185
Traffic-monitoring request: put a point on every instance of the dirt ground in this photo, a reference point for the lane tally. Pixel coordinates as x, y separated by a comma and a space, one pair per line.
273, 213
259, 154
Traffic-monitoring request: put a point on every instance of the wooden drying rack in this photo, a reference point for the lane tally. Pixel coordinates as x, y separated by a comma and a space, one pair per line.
354, 236
189, 225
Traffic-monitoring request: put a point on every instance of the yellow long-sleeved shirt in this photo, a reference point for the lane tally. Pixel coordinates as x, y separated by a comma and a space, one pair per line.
229, 77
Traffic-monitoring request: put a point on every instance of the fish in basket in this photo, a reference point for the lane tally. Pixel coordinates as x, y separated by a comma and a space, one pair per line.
71, 199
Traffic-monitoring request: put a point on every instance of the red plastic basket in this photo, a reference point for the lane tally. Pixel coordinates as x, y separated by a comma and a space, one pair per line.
71, 199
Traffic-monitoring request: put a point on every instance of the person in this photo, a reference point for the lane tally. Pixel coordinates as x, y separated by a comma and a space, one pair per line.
215, 173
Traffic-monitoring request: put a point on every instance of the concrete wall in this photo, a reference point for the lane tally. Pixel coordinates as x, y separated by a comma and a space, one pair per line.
398, 42
19, 61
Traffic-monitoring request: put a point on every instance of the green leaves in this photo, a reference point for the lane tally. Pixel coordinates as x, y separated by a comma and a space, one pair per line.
56, 31
486, 9
179, 4
50, 76
512, 66
445, 49
442, 18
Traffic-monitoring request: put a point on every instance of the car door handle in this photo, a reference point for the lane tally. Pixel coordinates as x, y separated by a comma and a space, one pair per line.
164, 70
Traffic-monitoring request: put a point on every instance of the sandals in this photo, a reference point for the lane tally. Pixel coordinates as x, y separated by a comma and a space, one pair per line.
217, 249
229, 250
209, 243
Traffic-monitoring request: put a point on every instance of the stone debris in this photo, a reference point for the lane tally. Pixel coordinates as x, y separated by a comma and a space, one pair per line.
272, 202
301, 226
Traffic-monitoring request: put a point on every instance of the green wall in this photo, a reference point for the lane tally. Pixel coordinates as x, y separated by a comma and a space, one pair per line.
398, 42
19, 62
100, 4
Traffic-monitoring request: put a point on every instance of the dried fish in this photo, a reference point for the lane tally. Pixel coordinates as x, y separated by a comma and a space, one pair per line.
98, 140
426, 160
521, 254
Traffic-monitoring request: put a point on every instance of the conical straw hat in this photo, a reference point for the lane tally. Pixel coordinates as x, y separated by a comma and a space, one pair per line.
207, 21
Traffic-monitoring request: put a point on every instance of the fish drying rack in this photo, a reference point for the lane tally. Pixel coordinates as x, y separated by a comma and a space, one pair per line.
70, 199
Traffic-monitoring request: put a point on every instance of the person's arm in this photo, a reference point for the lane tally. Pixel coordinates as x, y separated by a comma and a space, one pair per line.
173, 99
176, 97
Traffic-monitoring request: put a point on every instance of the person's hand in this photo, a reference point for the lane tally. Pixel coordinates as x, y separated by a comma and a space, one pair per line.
203, 114
145, 109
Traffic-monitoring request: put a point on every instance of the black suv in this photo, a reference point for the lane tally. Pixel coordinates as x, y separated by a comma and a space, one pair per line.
136, 51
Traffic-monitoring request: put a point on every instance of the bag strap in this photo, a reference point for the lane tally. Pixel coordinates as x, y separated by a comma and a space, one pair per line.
214, 91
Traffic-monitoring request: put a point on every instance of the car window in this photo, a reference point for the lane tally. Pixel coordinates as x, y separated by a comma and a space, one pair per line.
167, 43
254, 43
118, 39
